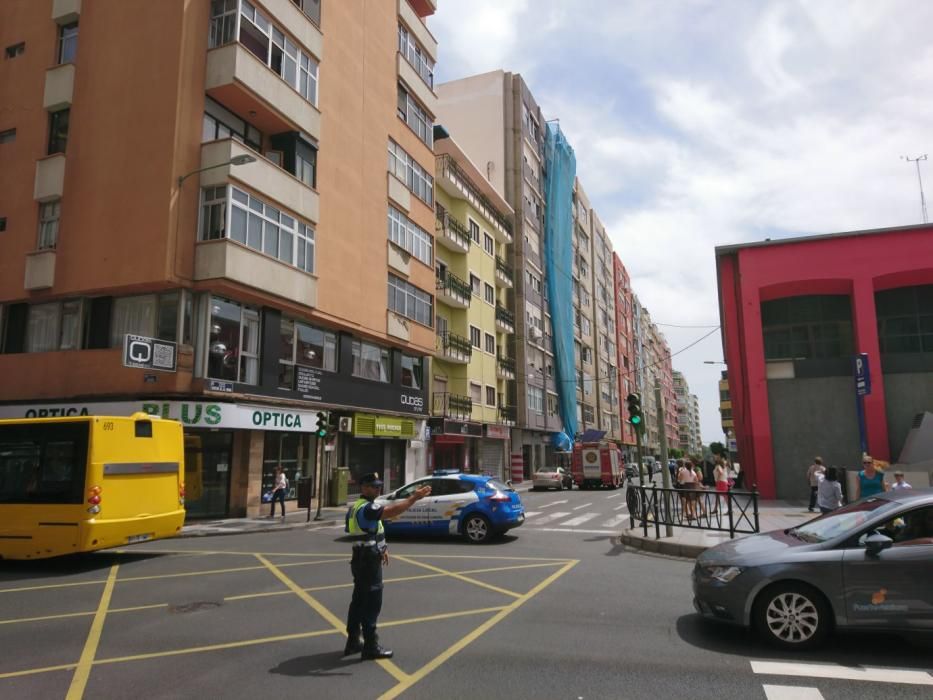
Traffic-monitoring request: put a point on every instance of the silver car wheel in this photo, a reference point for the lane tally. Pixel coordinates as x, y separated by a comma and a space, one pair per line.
793, 618
476, 529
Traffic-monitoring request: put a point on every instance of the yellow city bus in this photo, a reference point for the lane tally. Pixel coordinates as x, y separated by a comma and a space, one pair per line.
90, 482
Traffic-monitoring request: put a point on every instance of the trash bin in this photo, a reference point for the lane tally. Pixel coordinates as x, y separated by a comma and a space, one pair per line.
304, 491
338, 486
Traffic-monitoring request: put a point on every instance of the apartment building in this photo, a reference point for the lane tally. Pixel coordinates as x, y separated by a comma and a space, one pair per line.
230, 213
605, 333
725, 412
472, 377
496, 119
584, 327
625, 349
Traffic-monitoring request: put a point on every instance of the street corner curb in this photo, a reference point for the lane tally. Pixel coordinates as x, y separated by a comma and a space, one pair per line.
668, 547
248, 529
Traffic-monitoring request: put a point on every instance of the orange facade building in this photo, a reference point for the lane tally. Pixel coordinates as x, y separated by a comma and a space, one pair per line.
222, 211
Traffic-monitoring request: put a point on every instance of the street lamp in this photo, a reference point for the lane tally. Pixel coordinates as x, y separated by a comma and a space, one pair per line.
241, 159
713, 362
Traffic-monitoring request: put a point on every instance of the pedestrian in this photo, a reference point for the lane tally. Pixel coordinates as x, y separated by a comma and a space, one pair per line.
899, 483
279, 488
870, 480
686, 480
721, 479
813, 478
829, 491
370, 554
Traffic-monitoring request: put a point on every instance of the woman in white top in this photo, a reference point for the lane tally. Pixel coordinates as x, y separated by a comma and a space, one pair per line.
278, 490
721, 477
829, 492
687, 481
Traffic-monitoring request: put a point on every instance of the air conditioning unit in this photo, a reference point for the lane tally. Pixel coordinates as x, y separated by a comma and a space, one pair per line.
345, 424
534, 334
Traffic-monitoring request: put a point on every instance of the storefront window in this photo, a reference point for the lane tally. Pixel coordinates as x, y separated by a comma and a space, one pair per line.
207, 473
234, 342
293, 452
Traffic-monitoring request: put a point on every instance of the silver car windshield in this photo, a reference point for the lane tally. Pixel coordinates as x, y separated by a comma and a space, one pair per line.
842, 521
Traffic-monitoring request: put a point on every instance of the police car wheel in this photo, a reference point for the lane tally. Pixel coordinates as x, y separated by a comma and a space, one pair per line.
476, 528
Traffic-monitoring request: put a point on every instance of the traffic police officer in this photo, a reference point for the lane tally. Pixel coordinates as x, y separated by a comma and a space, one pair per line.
370, 554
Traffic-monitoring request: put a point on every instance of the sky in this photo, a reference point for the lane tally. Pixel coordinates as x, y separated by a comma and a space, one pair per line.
700, 123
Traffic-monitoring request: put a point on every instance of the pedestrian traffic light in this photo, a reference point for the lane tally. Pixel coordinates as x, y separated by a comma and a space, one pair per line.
635, 416
321, 429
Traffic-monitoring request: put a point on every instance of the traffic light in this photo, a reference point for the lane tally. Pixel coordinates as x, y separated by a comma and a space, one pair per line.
333, 422
635, 416
321, 430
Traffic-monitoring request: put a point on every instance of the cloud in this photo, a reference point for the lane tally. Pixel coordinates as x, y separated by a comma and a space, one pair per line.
698, 124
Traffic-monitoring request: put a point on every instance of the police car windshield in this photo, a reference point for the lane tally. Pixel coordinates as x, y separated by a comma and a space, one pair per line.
498, 485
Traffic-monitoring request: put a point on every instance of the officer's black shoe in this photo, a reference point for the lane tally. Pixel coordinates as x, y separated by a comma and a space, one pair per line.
354, 646
376, 652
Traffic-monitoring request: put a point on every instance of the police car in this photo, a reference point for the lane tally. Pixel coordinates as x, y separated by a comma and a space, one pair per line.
473, 506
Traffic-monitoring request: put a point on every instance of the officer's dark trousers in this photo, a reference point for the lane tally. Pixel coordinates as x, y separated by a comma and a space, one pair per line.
366, 566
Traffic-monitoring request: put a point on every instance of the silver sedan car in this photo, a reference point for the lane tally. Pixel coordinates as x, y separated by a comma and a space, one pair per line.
868, 565
552, 478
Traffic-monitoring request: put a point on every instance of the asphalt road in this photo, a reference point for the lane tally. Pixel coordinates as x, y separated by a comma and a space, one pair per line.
558, 609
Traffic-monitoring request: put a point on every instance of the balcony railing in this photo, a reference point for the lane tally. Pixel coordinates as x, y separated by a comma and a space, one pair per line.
507, 415
505, 367
449, 229
504, 271
505, 319
452, 406
454, 348
453, 289
452, 171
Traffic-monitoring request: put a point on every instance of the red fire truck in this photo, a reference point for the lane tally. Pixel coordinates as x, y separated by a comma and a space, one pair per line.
597, 465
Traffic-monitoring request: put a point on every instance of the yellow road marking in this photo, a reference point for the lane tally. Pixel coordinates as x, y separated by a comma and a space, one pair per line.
53, 585
475, 634
336, 622
441, 616
461, 577
83, 669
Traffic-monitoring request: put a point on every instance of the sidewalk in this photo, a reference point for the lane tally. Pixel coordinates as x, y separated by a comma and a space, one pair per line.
687, 542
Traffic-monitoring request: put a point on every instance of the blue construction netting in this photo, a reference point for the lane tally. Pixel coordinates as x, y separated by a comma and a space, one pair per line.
558, 261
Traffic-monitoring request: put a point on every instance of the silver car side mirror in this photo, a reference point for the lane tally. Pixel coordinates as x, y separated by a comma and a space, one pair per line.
875, 543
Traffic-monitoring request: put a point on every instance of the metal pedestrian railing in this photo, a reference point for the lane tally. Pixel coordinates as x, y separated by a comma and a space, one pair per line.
735, 512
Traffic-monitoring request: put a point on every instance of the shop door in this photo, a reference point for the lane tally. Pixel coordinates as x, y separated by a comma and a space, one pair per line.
394, 475
364, 455
207, 473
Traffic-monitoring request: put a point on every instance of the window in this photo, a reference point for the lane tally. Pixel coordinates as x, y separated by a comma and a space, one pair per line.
43, 463
586, 354
8, 136
2, 224
413, 114
551, 405
68, 43
490, 396
15, 50
534, 282
257, 225
411, 302
807, 327
475, 337
412, 372
488, 244
474, 230
416, 56
370, 361
219, 123
306, 167
267, 42
49, 213
305, 346
311, 8
416, 178
407, 235
58, 131
476, 394
489, 293
151, 315
490, 343
905, 319
234, 342
535, 399
54, 326
475, 286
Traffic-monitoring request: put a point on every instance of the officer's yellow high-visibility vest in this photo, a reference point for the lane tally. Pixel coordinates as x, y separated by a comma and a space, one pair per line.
353, 524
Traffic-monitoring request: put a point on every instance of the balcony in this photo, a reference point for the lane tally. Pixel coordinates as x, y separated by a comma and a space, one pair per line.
507, 415
505, 368
505, 320
262, 176
50, 178
451, 233
456, 183
452, 406
59, 87
453, 348
416, 84
534, 217
504, 273
532, 179
453, 291
243, 83
226, 259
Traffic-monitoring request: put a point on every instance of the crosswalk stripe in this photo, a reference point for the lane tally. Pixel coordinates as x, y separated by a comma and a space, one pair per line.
550, 517
615, 495
618, 520
529, 513
579, 520
576, 531
583, 506
621, 507
552, 503
862, 673
791, 692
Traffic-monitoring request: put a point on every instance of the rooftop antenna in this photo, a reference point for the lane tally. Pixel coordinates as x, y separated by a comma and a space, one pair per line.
923, 203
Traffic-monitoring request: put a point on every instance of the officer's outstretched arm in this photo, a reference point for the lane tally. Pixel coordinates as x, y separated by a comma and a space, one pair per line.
398, 508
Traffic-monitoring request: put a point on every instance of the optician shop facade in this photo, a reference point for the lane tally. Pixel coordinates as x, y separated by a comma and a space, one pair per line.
232, 448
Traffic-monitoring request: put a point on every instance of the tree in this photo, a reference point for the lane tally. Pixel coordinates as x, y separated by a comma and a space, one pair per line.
717, 448
674, 453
